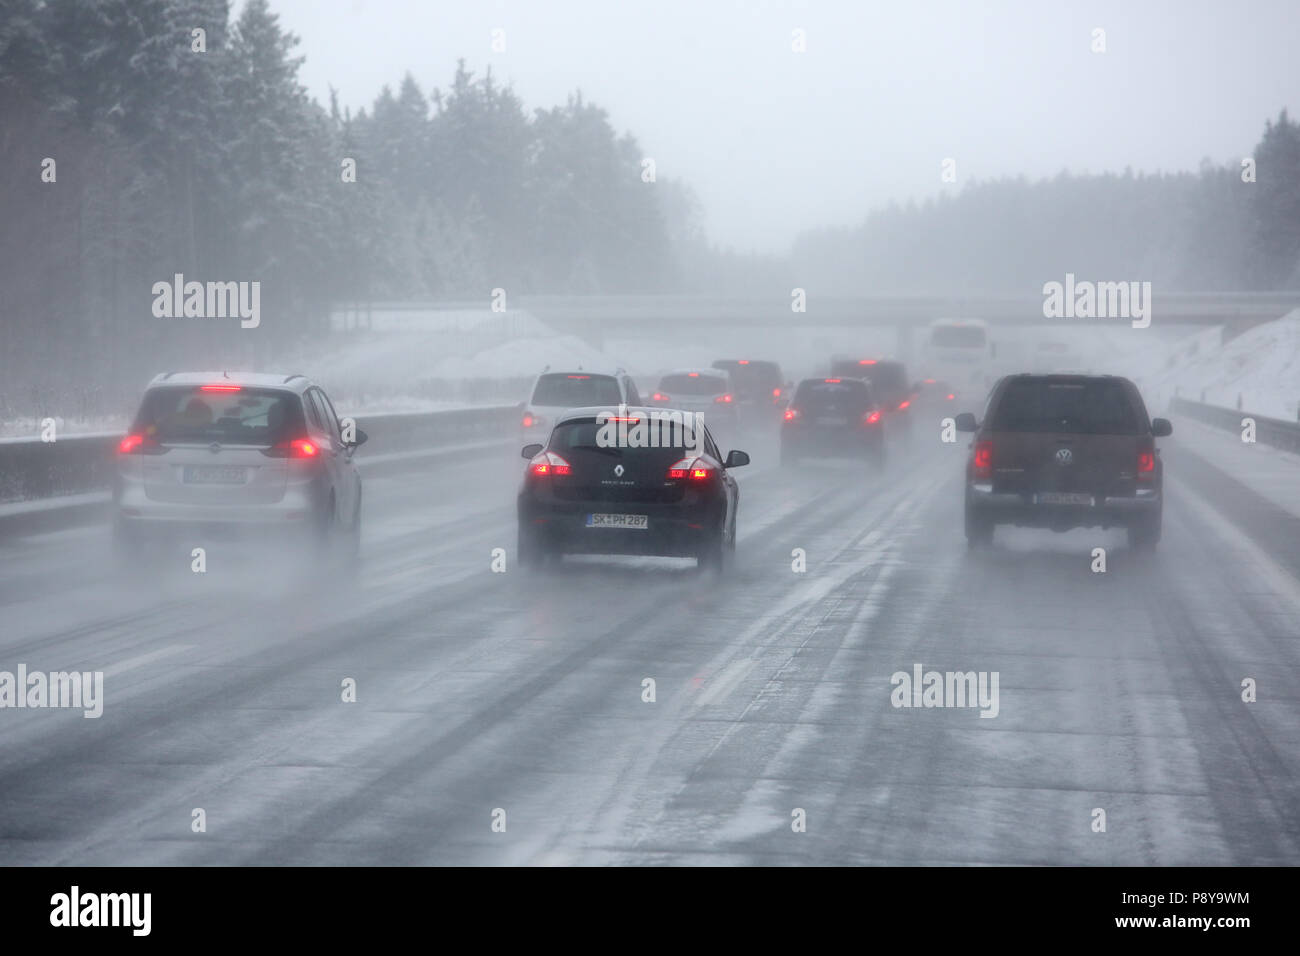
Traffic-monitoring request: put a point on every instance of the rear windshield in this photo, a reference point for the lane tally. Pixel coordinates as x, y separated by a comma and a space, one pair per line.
670, 441
752, 377
888, 379
231, 416
576, 390
957, 336
693, 384
1078, 408
849, 395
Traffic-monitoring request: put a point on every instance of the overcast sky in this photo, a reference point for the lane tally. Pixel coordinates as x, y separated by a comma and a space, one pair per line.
776, 142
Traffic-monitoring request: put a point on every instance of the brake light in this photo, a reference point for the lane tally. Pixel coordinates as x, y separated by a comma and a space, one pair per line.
694, 468
903, 404
693, 374
983, 460
951, 396
722, 399
577, 376
529, 421
1146, 463
136, 445
872, 418
833, 381
294, 448
219, 388
776, 393
743, 362
867, 362
929, 381
658, 397
791, 414
549, 463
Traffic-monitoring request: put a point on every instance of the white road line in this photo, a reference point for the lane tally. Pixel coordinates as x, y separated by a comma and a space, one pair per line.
140, 660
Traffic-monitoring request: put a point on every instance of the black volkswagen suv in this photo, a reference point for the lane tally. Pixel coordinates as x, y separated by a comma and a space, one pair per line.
1062, 452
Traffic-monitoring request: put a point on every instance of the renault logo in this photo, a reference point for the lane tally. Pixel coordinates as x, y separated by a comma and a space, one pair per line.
618, 471
1064, 456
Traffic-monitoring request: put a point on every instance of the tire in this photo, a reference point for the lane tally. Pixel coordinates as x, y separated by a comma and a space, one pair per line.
979, 529
717, 553
530, 550
1144, 533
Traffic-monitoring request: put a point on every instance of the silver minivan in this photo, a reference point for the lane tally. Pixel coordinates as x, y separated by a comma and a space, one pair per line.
237, 455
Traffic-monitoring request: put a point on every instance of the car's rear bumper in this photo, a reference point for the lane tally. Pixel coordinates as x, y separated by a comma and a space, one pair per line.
1026, 510
831, 442
670, 531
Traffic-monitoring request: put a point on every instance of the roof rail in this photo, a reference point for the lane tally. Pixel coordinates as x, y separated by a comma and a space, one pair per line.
290, 378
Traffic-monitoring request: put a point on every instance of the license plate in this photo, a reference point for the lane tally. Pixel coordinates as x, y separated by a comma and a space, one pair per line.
831, 421
213, 475
634, 522
1062, 498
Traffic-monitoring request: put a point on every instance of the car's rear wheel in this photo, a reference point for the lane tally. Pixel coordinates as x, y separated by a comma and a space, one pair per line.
979, 529
530, 550
717, 552
1144, 533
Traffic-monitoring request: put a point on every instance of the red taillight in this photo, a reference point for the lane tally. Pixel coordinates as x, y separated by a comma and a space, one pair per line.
791, 414
693, 374
776, 393
867, 362
832, 381
296, 448
983, 460
694, 468
529, 421
872, 418
743, 362
218, 388
903, 404
1146, 463
136, 445
951, 396
658, 397
929, 381
722, 399
549, 463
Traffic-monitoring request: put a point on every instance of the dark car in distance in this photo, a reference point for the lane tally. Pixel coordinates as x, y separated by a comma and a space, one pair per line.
833, 417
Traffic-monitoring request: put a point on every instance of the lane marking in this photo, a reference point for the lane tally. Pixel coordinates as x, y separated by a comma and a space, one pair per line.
139, 661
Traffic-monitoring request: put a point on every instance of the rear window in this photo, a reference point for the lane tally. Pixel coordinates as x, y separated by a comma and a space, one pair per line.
672, 441
575, 390
888, 379
848, 395
693, 384
753, 377
1078, 408
202, 414
958, 336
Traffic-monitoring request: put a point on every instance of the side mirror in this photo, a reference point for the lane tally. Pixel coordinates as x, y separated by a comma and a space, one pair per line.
359, 438
1161, 427
736, 458
530, 451
965, 422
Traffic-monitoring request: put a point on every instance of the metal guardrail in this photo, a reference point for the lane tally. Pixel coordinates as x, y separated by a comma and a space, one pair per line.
1271, 431
81, 463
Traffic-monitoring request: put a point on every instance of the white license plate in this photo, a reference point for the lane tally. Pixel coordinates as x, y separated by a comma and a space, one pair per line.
635, 522
831, 422
1062, 498
213, 475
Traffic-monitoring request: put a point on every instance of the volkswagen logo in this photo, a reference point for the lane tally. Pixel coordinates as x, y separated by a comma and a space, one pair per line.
1064, 456
618, 471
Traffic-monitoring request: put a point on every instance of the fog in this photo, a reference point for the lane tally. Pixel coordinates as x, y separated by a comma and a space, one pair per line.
991, 313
